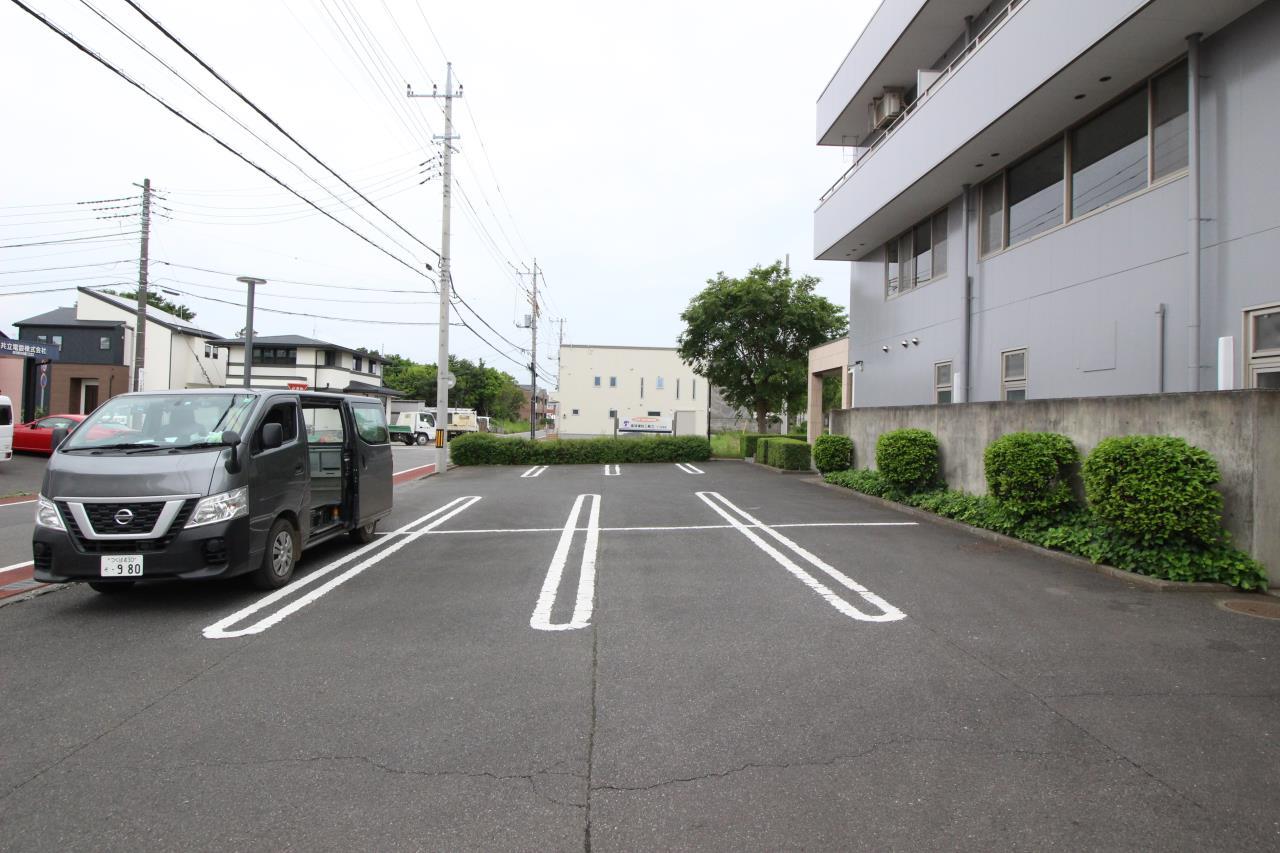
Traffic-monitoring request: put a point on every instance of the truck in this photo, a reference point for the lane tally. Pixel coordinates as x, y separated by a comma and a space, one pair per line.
419, 426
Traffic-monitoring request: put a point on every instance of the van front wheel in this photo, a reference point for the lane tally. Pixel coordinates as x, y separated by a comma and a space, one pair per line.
279, 558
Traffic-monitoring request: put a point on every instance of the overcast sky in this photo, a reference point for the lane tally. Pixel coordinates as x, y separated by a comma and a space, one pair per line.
634, 149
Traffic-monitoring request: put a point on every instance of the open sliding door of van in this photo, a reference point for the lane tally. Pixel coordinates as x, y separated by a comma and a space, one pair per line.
372, 450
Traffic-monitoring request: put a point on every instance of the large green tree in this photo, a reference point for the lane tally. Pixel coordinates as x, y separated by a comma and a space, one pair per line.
486, 389
751, 336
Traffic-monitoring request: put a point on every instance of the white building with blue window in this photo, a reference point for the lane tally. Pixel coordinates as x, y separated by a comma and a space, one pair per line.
1057, 198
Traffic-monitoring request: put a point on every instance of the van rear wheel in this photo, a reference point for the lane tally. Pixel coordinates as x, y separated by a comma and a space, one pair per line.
365, 534
280, 556
110, 587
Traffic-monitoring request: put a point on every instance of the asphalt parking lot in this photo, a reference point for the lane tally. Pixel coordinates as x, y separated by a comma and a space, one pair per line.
641, 657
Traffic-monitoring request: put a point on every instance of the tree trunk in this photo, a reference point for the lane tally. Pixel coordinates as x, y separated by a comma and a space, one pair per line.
762, 416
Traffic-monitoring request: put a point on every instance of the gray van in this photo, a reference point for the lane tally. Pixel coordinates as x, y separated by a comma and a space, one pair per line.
209, 483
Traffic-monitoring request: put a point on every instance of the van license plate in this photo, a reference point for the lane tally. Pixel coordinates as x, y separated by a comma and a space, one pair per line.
122, 566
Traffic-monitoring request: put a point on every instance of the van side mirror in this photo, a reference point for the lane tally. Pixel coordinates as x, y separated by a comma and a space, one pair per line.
272, 436
58, 436
231, 439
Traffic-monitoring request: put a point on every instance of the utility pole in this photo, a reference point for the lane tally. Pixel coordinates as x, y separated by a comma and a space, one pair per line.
140, 332
442, 352
533, 357
251, 283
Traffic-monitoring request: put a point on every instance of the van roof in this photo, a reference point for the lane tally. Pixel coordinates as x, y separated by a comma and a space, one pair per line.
257, 392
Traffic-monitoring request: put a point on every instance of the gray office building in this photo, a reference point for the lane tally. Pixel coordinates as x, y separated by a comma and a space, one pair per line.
1057, 198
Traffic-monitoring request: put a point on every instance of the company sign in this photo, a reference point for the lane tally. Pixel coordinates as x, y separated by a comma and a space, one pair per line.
645, 424
30, 349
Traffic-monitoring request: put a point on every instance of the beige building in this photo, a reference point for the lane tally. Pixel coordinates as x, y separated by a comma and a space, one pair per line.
633, 390
302, 363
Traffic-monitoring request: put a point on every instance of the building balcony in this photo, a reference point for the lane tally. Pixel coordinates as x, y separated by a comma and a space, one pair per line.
1035, 68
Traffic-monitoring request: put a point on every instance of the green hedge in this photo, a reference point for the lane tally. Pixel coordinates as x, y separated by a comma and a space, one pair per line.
907, 459
486, 449
749, 442
789, 454
865, 480
1029, 472
832, 453
760, 447
1156, 488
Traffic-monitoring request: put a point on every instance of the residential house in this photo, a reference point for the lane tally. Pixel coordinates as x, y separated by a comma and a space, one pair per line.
1057, 198
294, 361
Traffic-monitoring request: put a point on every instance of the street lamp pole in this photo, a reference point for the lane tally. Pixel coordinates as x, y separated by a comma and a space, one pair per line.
248, 326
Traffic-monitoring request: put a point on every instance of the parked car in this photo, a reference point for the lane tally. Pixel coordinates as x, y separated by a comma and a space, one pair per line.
209, 483
34, 436
6, 429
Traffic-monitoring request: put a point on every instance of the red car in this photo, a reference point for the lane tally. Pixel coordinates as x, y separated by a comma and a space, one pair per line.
35, 436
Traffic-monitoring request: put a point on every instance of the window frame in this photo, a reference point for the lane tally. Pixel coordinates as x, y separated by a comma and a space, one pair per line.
1007, 384
104, 339
289, 359
907, 281
1259, 361
1065, 135
948, 386
356, 409
595, 382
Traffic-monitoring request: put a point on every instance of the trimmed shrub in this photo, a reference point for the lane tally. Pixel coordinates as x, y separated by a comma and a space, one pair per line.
486, 449
789, 454
1029, 472
866, 481
761, 452
907, 459
832, 453
1155, 488
749, 440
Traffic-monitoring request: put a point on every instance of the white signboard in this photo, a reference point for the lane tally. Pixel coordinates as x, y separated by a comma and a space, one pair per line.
645, 424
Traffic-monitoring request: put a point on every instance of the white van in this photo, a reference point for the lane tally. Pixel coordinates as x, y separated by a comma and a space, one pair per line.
6, 429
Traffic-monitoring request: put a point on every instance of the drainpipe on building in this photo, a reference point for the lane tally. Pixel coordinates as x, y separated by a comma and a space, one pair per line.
1160, 348
965, 383
1193, 211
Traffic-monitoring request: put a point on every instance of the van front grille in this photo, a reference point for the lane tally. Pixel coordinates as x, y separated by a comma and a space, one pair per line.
124, 546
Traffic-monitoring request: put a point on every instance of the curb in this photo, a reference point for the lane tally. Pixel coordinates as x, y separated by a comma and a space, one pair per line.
1149, 583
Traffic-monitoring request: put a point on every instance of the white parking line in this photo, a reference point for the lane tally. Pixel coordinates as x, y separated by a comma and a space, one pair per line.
17, 503
534, 471
676, 528
689, 469
219, 630
889, 613
613, 470
541, 619
15, 566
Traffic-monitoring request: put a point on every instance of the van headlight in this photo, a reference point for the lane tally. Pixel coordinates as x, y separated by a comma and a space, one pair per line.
47, 514
221, 507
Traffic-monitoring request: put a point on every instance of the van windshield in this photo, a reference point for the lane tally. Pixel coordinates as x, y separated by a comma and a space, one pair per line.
162, 421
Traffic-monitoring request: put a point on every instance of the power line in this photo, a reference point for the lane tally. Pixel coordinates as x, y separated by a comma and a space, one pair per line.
290, 281
122, 75
273, 122
70, 267
69, 239
303, 313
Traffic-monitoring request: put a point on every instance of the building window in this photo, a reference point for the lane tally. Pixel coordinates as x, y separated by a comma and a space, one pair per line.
918, 256
57, 340
993, 215
1169, 121
694, 390
357, 364
104, 343
275, 355
330, 358
613, 382
1109, 155
613, 413
655, 414
575, 411
942, 382
42, 339
1034, 189
1262, 347
657, 384
641, 387
677, 389
1013, 375
596, 382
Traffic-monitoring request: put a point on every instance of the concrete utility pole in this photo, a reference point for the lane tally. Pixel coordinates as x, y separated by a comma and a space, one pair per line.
533, 357
442, 352
140, 333
248, 326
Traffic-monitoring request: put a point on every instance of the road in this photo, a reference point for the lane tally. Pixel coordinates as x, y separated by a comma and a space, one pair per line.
712, 657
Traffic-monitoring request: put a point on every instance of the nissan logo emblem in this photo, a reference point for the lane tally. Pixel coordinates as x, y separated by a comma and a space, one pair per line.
124, 517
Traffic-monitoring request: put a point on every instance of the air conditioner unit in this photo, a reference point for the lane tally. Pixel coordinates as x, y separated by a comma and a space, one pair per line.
886, 108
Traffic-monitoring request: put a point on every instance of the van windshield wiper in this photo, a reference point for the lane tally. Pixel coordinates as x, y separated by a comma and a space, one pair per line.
127, 445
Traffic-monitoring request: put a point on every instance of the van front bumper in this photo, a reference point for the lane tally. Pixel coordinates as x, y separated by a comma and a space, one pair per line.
210, 551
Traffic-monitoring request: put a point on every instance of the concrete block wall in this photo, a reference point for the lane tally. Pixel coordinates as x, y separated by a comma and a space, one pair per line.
1240, 428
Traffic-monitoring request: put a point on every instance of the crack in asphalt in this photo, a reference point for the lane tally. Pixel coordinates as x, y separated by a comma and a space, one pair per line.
13, 789
391, 769
1065, 718
832, 761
